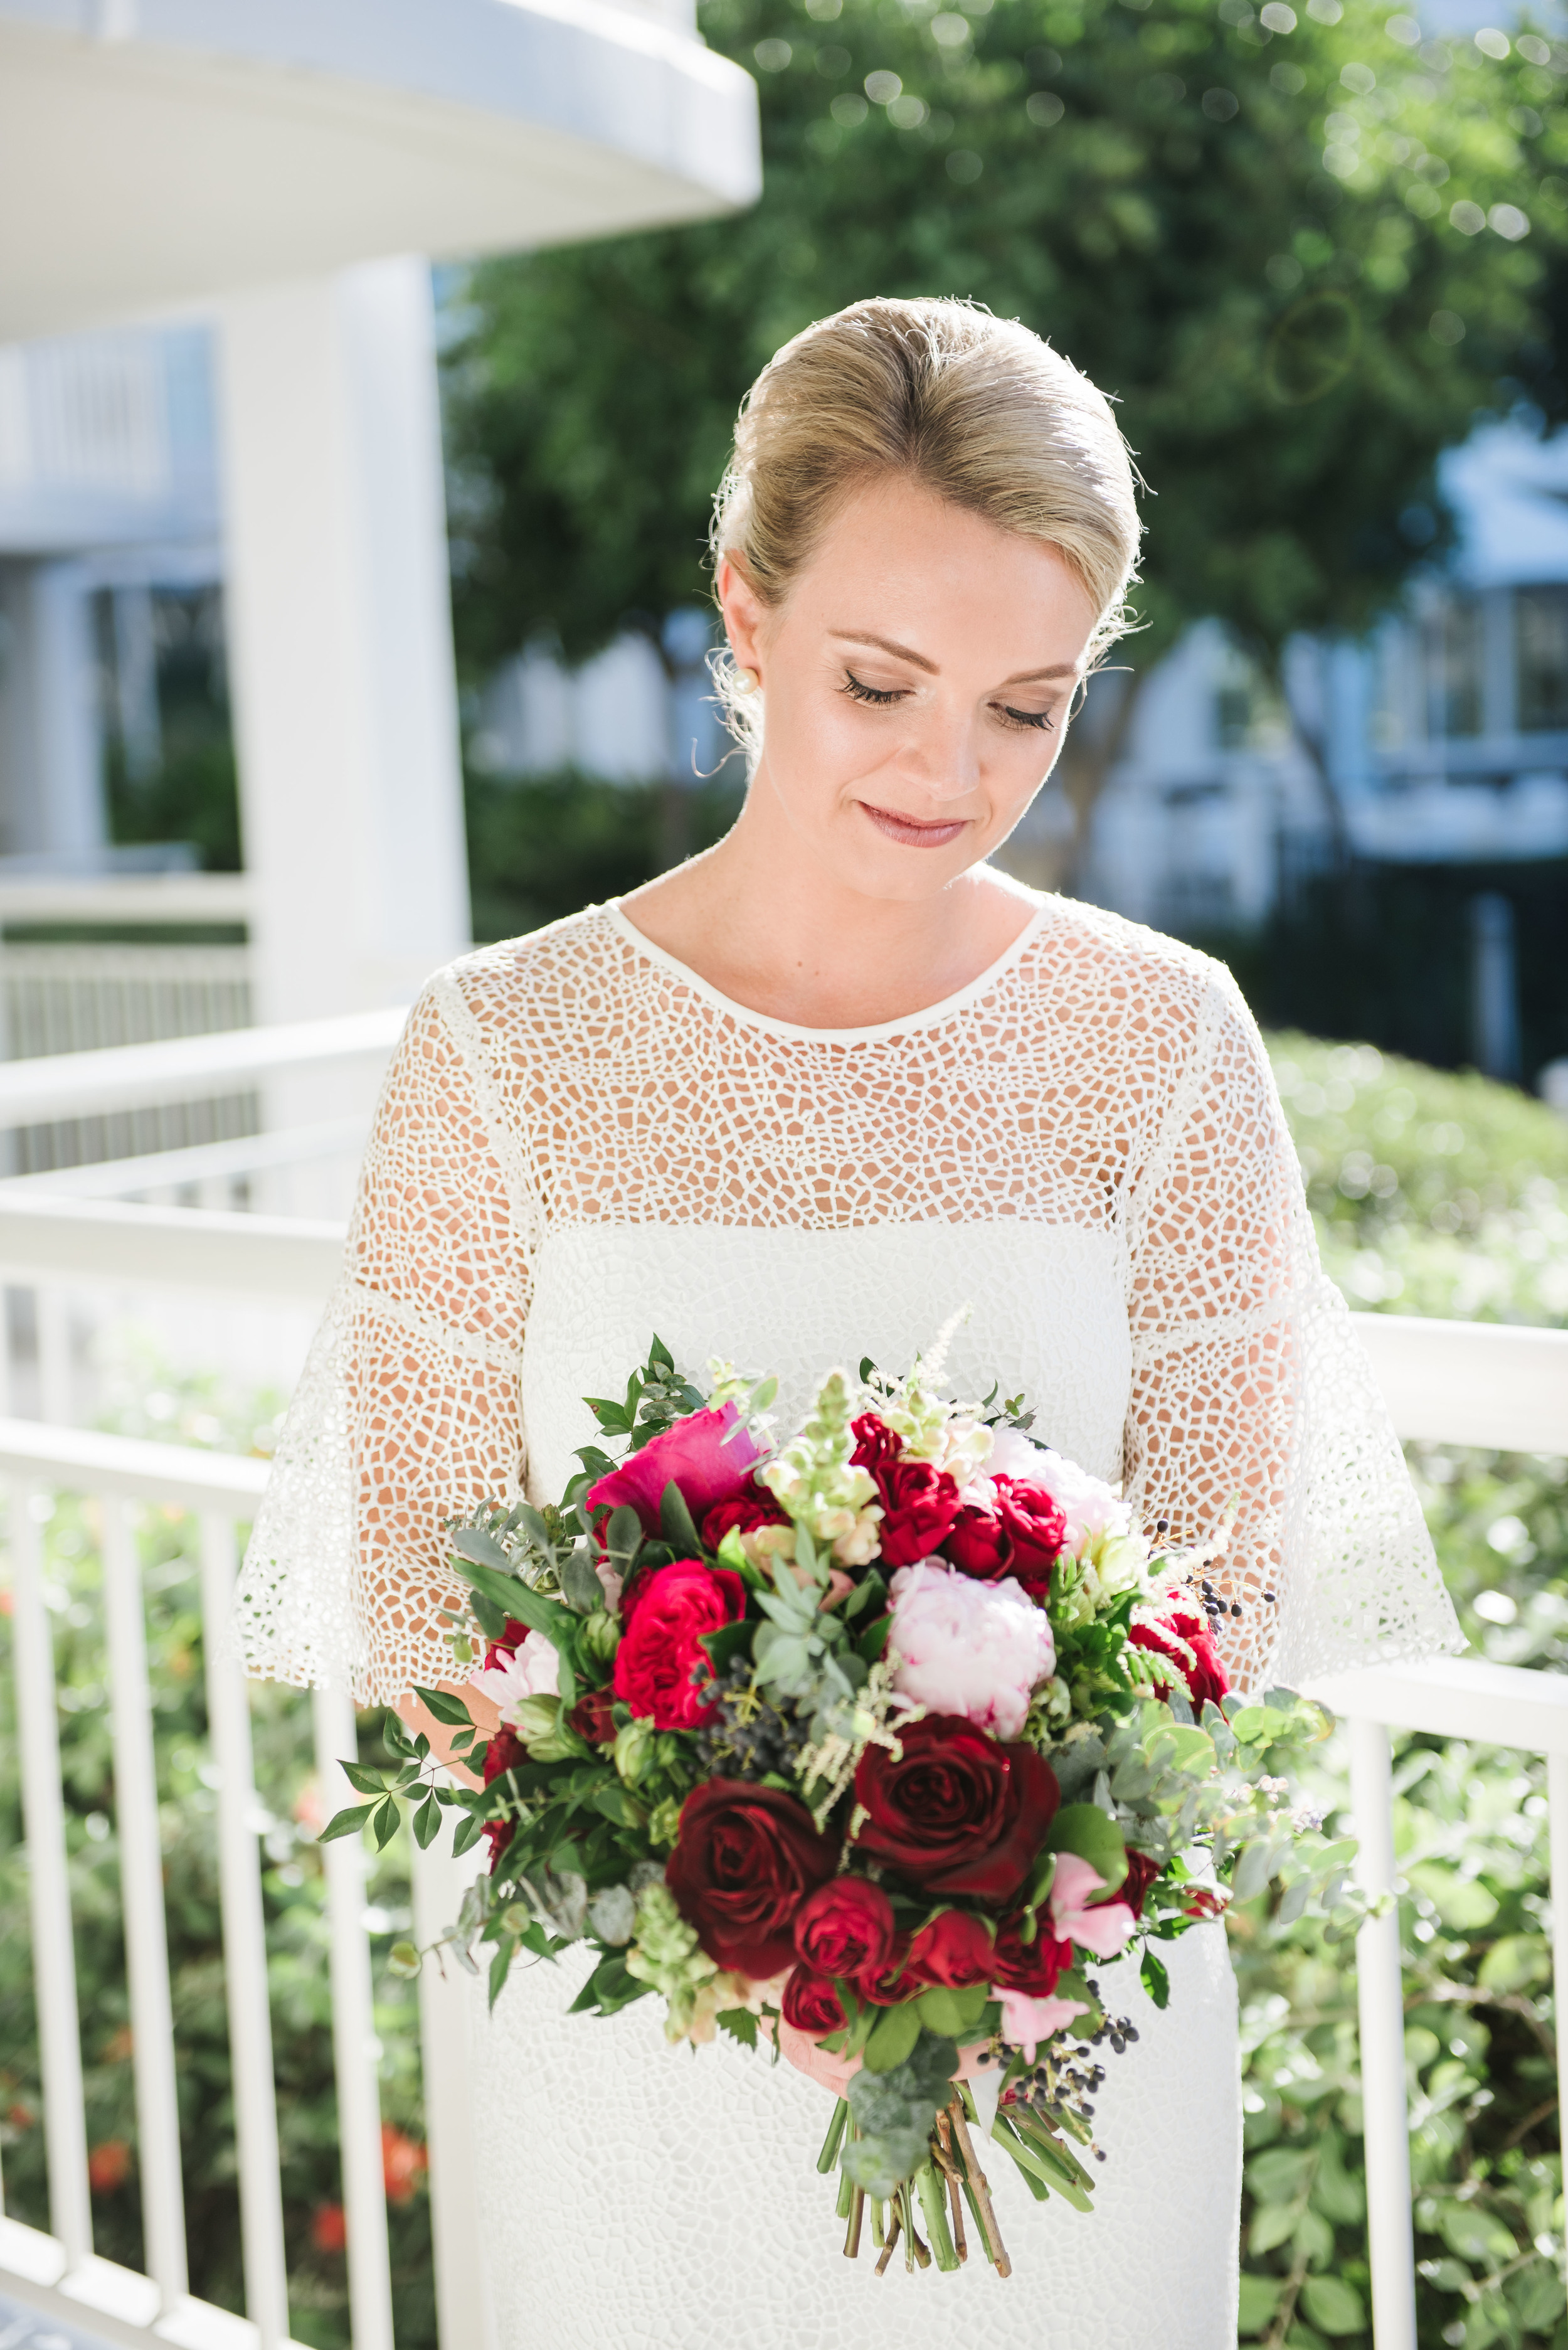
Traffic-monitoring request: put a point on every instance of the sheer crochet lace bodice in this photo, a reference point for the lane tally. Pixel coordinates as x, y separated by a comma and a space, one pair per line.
1100, 1089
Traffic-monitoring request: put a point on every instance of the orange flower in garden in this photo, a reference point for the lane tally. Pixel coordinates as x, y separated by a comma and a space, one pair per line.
402, 2161
108, 2166
328, 2228
309, 1811
21, 2118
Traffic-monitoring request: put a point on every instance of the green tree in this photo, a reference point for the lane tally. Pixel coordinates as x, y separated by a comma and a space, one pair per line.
1302, 250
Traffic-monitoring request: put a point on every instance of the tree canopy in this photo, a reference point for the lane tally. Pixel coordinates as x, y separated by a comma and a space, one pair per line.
1302, 250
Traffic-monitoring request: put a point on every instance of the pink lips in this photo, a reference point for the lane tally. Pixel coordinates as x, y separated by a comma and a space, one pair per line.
908, 831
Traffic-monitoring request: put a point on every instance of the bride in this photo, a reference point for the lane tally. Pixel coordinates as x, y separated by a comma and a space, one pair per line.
803, 1098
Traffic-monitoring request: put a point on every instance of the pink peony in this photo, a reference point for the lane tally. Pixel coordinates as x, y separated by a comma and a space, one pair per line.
1026, 2022
702, 1455
530, 1670
979, 1649
1105, 1930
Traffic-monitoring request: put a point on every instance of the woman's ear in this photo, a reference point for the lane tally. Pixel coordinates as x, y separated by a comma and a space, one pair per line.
745, 614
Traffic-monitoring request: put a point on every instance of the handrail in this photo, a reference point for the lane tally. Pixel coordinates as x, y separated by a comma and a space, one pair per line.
1503, 1383
45, 1237
184, 1068
194, 1162
1457, 1696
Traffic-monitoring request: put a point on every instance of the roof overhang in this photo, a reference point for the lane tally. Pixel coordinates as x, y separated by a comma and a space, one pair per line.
188, 148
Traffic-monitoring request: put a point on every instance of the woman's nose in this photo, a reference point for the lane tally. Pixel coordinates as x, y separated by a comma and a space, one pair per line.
943, 754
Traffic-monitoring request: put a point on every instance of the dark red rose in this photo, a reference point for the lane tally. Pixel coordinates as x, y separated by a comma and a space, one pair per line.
953, 1950
845, 1928
1035, 1528
959, 1813
811, 2004
978, 1545
746, 1859
659, 1649
593, 1717
702, 1455
1035, 1967
1142, 1870
1205, 1675
745, 1511
504, 1749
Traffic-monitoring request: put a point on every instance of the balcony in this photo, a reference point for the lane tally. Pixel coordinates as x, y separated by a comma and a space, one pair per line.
81, 1233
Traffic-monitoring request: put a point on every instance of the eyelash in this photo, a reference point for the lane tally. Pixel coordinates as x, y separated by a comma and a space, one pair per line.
1033, 721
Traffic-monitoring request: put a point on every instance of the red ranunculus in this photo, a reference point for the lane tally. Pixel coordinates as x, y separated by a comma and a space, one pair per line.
1032, 1521
845, 1928
978, 1545
1035, 1967
504, 1749
744, 1512
500, 1651
919, 1503
1205, 1675
959, 1813
661, 1645
593, 1717
745, 1859
704, 1455
954, 1950
1142, 1870
811, 2004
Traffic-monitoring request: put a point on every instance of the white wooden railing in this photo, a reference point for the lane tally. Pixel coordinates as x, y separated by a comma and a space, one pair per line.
1446, 1382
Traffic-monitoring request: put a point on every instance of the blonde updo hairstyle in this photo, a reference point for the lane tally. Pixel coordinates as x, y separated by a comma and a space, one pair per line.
977, 409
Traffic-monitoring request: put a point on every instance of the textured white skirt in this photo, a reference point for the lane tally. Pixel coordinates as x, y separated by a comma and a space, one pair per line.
638, 2196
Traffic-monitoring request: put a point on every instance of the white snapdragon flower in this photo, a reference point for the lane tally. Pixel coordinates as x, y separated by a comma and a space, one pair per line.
977, 1649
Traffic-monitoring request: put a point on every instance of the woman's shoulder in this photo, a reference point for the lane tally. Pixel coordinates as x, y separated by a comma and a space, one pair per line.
1108, 956
542, 980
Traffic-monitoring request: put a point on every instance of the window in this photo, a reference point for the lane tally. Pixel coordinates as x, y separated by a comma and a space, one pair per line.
1540, 653
1452, 645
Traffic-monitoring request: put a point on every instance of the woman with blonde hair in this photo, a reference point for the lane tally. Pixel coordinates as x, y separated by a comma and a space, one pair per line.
805, 1096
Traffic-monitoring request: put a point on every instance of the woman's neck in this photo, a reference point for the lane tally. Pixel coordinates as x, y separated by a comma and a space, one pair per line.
777, 934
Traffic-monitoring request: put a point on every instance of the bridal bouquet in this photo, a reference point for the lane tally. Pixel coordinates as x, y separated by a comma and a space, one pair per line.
872, 1740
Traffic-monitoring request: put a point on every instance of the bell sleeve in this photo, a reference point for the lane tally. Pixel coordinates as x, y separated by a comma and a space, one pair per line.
407, 1412
1252, 1394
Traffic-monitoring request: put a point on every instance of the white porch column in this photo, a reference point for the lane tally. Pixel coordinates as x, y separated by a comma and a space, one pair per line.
339, 630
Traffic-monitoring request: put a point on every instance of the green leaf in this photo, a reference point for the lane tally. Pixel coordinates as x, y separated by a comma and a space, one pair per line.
872, 1643
1260, 2299
951, 2014
479, 1550
581, 1585
623, 1536
1252, 1723
361, 1775
445, 1708
500, 1967
427, 1822
1094, 1837
385, 1824
467, 1836
740, 2023
726, 1644
1334, 2306
893, 2038
677, 1523
344, 1823
1154, 1979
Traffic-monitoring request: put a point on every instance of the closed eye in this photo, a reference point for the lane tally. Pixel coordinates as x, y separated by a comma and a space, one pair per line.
853, 687
1037, 721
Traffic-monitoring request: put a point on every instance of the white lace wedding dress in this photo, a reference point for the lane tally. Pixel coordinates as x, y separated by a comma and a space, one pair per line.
580, 1143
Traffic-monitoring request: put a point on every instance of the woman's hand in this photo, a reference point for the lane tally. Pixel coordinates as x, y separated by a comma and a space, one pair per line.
420, 1719
836, 2073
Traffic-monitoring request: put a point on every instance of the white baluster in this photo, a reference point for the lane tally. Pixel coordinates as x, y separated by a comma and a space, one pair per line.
44, 1824
464, 2319
1380, 1988
141, 1885
244, 1947
1557, 1825
354, 2043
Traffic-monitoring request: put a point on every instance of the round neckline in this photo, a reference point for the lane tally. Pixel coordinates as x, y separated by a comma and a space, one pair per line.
929, 1015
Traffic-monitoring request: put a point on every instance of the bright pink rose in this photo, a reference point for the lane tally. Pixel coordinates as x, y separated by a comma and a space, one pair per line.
1186, 1636
954, 1950
666, 1614
701, 1455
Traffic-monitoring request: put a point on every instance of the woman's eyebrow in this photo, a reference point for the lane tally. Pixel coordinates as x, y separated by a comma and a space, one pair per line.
908, 652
